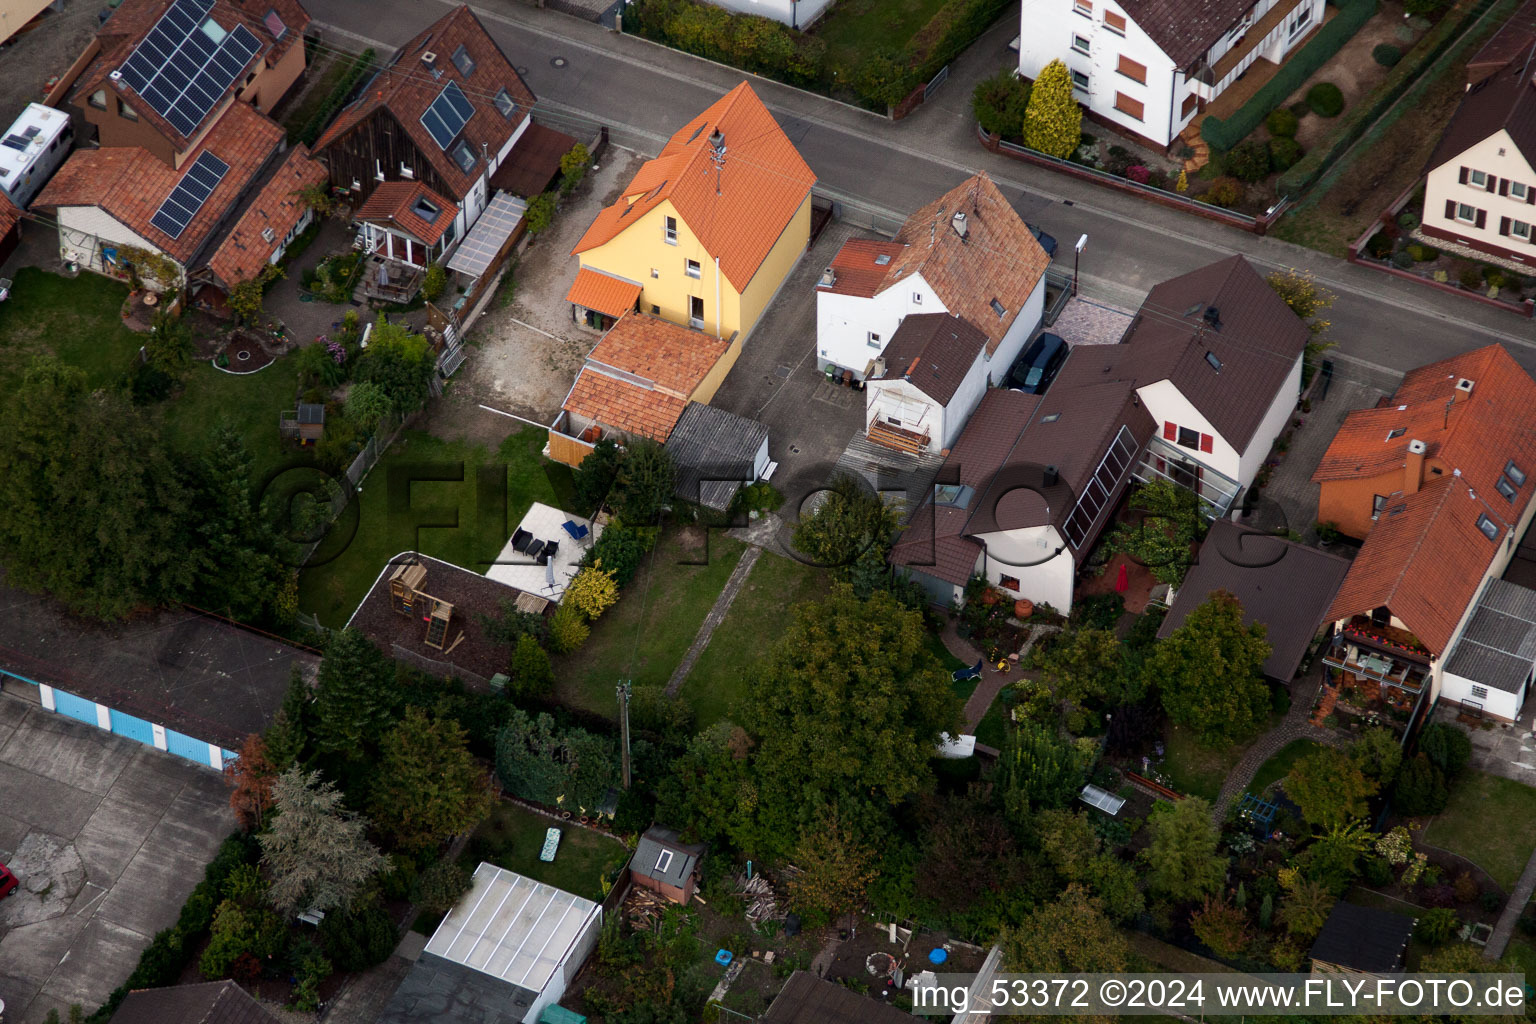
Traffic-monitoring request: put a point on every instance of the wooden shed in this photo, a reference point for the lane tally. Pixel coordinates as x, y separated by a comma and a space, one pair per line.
665, 864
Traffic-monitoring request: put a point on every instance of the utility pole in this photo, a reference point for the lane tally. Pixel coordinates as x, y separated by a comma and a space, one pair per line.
623, 691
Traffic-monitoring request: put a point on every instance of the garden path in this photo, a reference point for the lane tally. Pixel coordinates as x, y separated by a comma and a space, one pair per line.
1512, 910
716, 615
1294, 726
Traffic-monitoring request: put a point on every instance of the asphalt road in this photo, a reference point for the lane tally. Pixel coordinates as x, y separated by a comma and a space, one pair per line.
583, 74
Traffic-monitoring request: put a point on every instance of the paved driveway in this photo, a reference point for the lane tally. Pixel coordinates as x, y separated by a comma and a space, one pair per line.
108, 837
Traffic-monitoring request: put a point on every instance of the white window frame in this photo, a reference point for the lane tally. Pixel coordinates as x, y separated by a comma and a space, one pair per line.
669, 230
1470, 217
1519, 190
1520, 229
1479, 692
1478, 179
1075, 76
663, 861
1083, 7
872, 339
917, 298
1081, 44
693, 269
1110, 28
1299, 21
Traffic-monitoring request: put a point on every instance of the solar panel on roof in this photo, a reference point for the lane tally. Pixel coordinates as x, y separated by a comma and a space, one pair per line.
447, 115
16, 142
189, 195
187, 62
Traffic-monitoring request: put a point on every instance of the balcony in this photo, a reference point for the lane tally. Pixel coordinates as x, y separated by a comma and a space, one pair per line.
390, 280
911, 441
1387, 639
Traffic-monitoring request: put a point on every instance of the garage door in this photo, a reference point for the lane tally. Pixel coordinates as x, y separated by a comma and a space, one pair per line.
187, 747
133, 728
75, 707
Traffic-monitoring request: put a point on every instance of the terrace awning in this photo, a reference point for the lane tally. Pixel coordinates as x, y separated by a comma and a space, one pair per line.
604, 293
478, 250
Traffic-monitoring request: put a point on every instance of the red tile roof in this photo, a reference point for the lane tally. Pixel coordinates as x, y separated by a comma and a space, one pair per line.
133, 19
675, 359
277, 209
1425, 556
605, 293
997, 260
406, 89
739, 213
636, 410
10, 216
130, 184
394, 202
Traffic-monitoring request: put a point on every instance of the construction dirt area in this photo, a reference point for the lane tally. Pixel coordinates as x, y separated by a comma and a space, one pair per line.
525, 354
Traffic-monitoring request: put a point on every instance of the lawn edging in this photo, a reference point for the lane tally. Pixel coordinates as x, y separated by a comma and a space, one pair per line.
1258, 225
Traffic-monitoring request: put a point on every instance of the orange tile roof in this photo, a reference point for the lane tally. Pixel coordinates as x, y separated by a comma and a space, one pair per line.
406, 89
637, 411
10, 216
277, 208
605, 293
394, 202
676, 359
130, 184
1425, 556
737, 214
997, 260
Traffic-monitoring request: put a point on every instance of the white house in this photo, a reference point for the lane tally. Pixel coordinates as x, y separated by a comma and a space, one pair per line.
926, 383
797, 14
1480, 188
1147, 67
1196, 393
968, 254
1491, 666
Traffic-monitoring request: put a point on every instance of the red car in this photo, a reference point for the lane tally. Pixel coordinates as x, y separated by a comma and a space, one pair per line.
7, 882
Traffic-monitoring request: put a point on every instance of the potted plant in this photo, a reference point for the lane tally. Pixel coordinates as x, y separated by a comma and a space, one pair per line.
1023, 608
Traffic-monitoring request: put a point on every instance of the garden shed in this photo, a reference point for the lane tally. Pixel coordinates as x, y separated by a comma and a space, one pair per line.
223, 1002
1361, 940
665, 864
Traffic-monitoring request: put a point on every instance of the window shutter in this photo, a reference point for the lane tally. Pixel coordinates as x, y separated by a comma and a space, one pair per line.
1503, 225
1206, 441
1530, 195
1170, 431
1503, 186
1493, 183
1464, 173
1450, 209
1482, 218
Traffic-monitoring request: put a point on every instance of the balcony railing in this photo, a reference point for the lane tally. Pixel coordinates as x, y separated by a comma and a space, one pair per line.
1390, 640
1387, 671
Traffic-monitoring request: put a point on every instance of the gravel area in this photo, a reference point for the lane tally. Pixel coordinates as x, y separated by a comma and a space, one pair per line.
30, 58
524, 356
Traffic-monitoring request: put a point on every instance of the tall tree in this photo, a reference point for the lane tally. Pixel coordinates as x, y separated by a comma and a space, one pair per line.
1329, 787
848, 520
846, 708
644, 483
1183, 860
836, 869
1086, 666
357, 697
250, 777
1053, 122
708, 790
1037, 769
316, 851
596, 475
238, 572
1073, 934
429, 787
1209, 671
287, 738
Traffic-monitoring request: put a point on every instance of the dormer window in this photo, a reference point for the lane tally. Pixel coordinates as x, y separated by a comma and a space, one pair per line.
463, 61
425, 209
268, 234
505, 103
1515, 473
1489, 528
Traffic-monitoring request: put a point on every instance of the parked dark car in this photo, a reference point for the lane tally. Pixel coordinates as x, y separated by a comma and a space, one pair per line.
1037, 366
7, 882
1047, 242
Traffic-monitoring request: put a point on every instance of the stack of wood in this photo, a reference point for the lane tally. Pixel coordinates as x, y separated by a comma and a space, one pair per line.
644, 908
760, 901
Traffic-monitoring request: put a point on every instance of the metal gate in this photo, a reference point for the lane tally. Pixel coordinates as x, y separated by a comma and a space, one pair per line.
75, 707
934, 83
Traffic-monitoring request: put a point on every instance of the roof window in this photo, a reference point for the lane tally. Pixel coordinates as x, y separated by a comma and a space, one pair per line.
463, 156
463, 61
997, 307
952, 495
1052, 418
1396, 432
1515, 473
274, 24
664, 861
1506, 488
1489, 528
425, 209
1210, 357
882, 259
268, 234
505, 103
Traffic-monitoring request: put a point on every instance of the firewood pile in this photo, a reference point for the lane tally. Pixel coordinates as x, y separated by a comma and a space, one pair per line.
759, 899
644, 908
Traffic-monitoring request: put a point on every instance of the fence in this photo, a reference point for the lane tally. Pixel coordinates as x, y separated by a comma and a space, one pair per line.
443, 669
862, 214
1062, 282
934, 83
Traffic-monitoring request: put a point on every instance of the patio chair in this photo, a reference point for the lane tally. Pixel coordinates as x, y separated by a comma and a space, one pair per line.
576, 530
551, 547
520, 540
974, 672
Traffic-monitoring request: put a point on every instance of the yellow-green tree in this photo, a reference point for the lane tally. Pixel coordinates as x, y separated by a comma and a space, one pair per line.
593, 591
1053, 122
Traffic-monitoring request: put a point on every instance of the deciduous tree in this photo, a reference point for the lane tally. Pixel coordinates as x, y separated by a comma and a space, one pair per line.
1330, 788
1221, 926
848, 519
1085, 666
1378, 755
1209, 668
250, 777
1183, 859
400, 363
1053, 122
428, 787
1073, 934
316, 851
1037, 769
592, 592
836, 868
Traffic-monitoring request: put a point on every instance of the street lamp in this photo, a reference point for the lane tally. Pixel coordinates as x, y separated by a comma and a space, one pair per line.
1077, 250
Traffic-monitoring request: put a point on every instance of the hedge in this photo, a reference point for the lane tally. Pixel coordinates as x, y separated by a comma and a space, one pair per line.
746, 41
1365, 113
1299, 67
336, 100
952, 28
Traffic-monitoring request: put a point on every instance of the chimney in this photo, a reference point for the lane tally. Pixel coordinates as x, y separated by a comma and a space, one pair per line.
828, 278
958, 223
1463, 389
1050, 477
1413, 470
1213, 317
879, 368
429, 59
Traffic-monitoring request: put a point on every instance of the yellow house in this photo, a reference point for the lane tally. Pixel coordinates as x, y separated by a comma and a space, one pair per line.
708, 230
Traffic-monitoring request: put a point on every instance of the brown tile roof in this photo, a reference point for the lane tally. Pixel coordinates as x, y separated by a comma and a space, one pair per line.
212, 1002
130, 184
533, 162
675, 359
394, 202
276, 209
406, 89
857, 268
1512, 41
133, 19
932, 351
605, 293
636, 410
1257, 342
1425, 556
807, 999
10, 216
1185, 29
738, 214
998, 260
1503, 99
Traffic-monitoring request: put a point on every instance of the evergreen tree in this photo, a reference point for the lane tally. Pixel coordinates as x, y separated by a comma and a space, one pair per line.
238, 572
357, 696
316, 852
643, 484
1053, 122
1183, 858
429, 787
288, 737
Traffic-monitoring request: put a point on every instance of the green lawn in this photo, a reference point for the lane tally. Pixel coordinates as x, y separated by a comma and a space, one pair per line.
250, 402
389, 524
1522, 954
1478, 799
950, 663
512, 837
645, 635
993, 727
78, 320
758, 614
855, 28
1279, 766
1196, 770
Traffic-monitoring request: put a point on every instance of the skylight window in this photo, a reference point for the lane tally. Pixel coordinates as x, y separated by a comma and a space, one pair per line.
505, 103
952, 495
274, 24
1396, 432
1506, 488
664, 861
1515, 473
463, 61
882, 259
463, 156
1052, 418
1489, 528
1210, 357
997, 307
426, 210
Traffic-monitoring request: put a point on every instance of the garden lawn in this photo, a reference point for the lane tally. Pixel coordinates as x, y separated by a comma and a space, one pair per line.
512, 837
855, 28
78, 320
386, 526
250, 402
1477, 799
759, 613
643, 638
1279, 766
1196, 770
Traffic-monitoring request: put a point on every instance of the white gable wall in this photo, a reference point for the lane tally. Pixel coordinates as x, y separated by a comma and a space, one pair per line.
1498, 157
1019, 332
1272, 426
1037, 557
1494, 702
844, 322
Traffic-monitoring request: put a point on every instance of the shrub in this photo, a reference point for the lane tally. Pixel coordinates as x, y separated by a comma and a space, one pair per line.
1422, 253
1407, 220
567, 630
620, 549
1420, 789
1402, 260
1283, 153
1378, 872
1420, 8
1282, 124
1379, 245
1053, 120
1466, 888
1326, 99
1470, 275
1441, 276
358, 938
1437, 926
1248, 161
1386, 55
1300, 109
530, 669
1226, 192
999, 103
746, 41
1494, 276
541, 212
434, 281
441, 887
1447, 747
1139, 173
